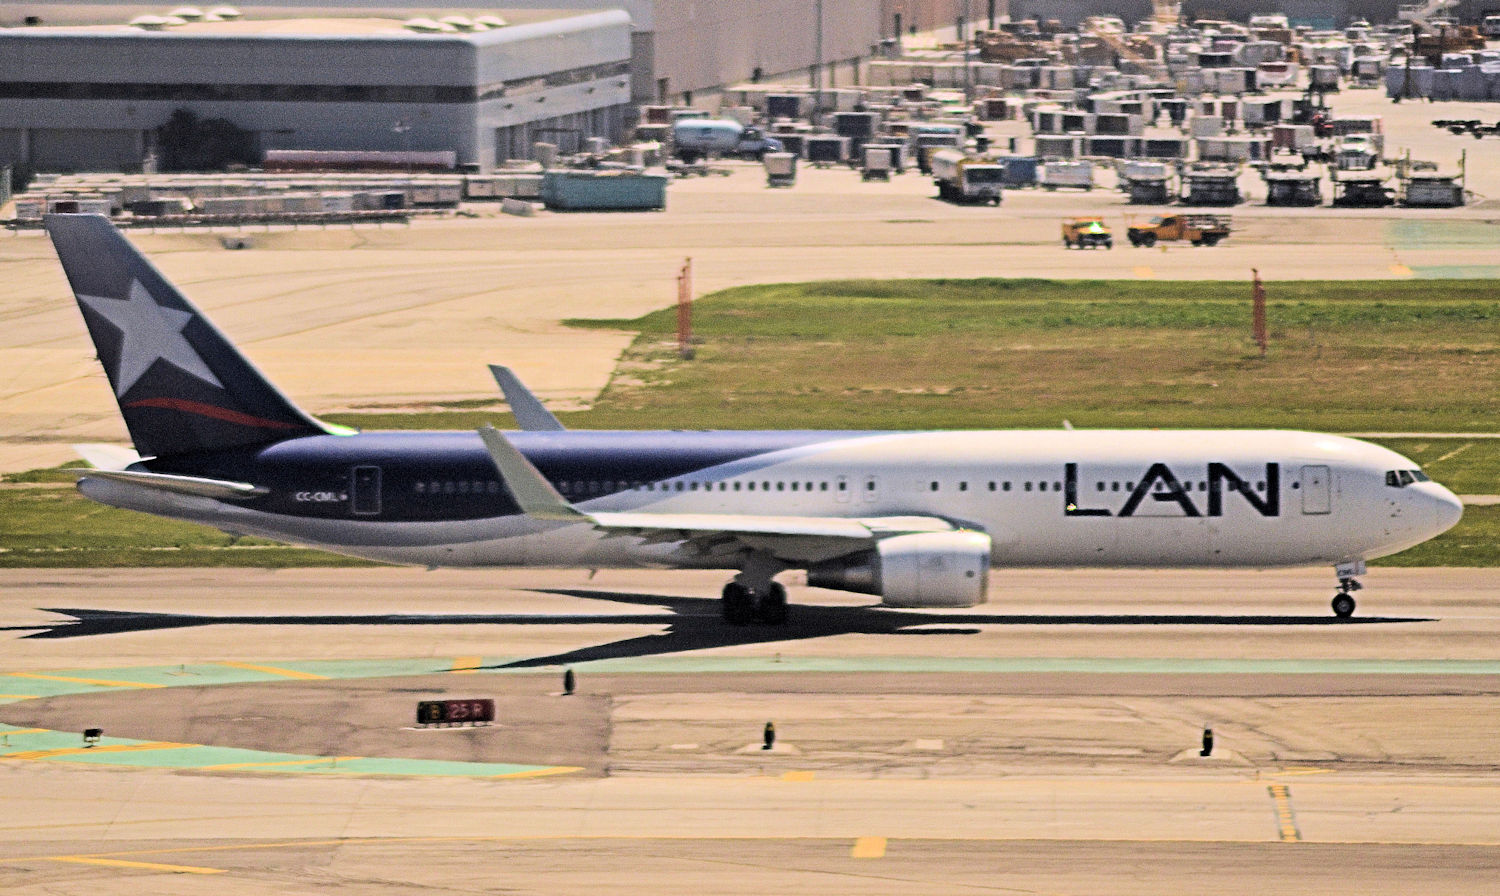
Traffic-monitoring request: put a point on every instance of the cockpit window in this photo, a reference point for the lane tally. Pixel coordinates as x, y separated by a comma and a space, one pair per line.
1402, 478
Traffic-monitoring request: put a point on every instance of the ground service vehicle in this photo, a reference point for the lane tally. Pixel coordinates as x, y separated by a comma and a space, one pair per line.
698, 138
1200, 230
1087, 233
963, 179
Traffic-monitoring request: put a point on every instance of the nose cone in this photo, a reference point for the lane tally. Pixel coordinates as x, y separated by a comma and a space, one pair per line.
1446, 509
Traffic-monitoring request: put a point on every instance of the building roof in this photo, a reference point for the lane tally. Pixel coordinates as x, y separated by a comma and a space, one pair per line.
314, 27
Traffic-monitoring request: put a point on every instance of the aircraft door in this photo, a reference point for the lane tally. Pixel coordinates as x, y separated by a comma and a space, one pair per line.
871, 488
1316, 491
364, 498
842, 494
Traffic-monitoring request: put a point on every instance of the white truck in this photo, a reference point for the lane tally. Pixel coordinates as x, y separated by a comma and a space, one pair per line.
960, 178
694, 139
1058, 173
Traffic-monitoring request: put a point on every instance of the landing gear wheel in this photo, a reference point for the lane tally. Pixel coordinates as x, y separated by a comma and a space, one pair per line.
1343, 605
772, 608
738, 605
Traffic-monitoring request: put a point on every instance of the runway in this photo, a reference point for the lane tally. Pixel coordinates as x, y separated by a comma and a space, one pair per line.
1046, 742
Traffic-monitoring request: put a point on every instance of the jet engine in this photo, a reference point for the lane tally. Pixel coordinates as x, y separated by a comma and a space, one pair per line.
928, 569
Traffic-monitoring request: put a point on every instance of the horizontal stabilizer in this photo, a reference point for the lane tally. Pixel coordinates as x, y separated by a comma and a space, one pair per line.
529, 412
195, 486
103, 456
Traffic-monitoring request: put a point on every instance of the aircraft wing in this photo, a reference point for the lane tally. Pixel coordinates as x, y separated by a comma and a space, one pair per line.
806, 538
196, 486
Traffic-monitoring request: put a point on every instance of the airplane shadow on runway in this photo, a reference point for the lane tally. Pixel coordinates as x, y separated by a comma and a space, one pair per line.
691, 623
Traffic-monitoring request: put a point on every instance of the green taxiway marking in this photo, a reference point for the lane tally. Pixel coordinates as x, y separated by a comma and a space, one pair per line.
1095, 666
24, 744
19, 744
1456, 271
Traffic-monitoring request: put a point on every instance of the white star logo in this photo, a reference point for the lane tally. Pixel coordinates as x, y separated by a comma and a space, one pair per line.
148, 333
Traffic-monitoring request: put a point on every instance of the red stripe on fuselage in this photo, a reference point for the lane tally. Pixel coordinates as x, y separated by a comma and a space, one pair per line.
208, 410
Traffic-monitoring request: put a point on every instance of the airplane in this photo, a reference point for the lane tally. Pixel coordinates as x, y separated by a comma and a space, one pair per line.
918, 519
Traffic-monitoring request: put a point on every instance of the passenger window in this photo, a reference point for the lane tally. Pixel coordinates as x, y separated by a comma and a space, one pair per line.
992, 486
822, 486
421, 487
1006, 486
1028, 486
1101, 486
963, 486
843, 486
934, 487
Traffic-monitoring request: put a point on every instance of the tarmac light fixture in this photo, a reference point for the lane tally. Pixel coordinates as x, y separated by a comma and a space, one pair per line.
91, 736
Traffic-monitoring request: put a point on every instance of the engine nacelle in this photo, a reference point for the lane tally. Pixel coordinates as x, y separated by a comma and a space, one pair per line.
928, 569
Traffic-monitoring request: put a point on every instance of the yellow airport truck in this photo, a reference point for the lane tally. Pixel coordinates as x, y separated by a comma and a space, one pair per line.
1087, 233
1200, 230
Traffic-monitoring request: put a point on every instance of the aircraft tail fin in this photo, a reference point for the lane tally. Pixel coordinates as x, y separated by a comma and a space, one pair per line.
181, 385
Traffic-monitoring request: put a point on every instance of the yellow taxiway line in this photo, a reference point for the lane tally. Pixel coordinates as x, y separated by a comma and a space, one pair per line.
142, 866
868, 848
275, 670
99, 682
467, 665
107, 748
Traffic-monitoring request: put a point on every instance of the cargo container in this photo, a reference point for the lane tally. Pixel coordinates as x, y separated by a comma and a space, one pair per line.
567, 190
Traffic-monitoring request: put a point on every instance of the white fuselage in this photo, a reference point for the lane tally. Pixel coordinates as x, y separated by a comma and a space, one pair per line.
1062, 498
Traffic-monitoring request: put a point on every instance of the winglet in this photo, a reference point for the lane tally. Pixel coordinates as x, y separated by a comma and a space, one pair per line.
527, 485
530, 414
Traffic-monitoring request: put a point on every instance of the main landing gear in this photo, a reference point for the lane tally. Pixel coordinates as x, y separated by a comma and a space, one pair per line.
1343, 601
743, 605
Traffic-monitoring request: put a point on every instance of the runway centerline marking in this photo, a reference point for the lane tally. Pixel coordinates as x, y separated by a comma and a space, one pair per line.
143, 866
276, 670
1286, 822
97, 682
868, 848
797, 776
467, 665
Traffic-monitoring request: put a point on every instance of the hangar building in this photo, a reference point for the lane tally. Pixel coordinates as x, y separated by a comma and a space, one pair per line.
89, 97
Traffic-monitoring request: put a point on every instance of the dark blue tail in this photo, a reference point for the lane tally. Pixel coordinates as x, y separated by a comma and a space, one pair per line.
182, 387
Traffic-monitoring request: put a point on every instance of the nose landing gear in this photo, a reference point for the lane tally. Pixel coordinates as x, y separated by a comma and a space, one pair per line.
1343, 601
